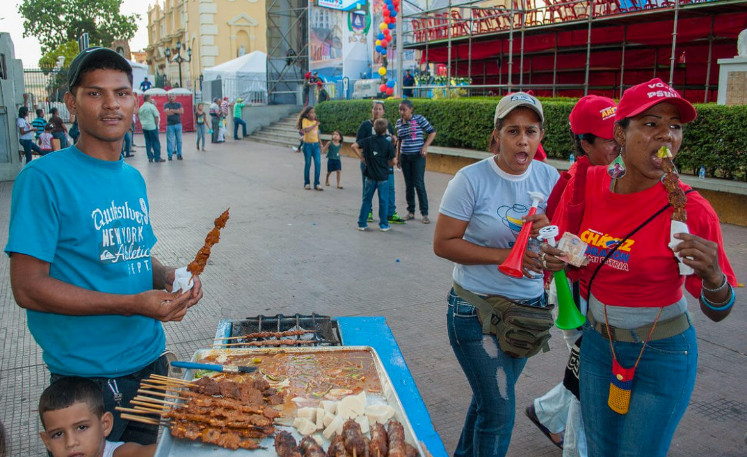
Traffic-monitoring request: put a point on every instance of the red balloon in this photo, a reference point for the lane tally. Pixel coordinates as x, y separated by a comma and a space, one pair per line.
383, 88
389, 90
386, 11
387, 19
384, 43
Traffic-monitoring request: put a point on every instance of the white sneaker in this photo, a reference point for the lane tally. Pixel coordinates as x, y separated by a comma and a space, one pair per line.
295, 148
362, 229
307, 187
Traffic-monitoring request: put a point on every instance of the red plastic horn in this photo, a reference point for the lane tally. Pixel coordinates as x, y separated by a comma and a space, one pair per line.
513, 265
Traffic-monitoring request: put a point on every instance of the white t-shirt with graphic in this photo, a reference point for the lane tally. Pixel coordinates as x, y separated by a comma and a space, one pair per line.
493, 202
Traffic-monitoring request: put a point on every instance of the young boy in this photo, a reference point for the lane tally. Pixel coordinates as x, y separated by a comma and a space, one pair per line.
45, 140
72, 414
377, 153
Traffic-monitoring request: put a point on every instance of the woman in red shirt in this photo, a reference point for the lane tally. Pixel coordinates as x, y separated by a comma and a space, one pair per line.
639, 352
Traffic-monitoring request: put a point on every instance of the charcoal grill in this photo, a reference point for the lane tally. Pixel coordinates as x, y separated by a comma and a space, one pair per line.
325, 330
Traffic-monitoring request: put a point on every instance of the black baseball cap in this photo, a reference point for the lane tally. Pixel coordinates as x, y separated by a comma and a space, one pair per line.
96, 57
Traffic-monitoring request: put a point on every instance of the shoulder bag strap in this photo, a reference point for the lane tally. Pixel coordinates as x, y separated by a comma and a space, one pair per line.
612, 251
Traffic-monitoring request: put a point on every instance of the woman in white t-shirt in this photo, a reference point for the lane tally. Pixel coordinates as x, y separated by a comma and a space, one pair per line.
481, 214
26, 133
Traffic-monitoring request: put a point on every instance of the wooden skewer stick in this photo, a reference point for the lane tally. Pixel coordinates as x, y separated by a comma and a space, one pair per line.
167, 378
143, 420
138, 411
163, 382
295, 342
151, 405
251, 335
154, 400
158, 394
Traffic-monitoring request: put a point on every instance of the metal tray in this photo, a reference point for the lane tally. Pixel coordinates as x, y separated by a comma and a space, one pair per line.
169, 446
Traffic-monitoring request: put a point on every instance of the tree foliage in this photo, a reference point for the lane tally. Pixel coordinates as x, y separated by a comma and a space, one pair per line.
67, 50
55, 22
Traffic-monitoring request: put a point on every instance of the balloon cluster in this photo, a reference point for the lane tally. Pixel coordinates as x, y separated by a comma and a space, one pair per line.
383, 39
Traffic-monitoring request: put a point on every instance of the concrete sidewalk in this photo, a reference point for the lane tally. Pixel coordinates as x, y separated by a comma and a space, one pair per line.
288, 250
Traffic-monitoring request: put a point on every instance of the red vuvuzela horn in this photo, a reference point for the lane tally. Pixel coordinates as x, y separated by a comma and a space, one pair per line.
513, 265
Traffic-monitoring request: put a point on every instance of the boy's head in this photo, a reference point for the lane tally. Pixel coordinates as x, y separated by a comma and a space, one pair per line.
72, 414
53, 112
380, 126
96, 58
39, 113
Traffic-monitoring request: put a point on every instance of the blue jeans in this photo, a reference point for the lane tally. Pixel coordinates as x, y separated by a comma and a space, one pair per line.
28, 146
492, 375
174, 135
413, 167
127, 144
370, 186
391, 208
62, 136
237, 121
152, 144
662, 386
201, 135
311, 150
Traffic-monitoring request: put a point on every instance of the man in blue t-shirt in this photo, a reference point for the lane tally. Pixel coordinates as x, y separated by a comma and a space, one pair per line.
80, 243
145, 84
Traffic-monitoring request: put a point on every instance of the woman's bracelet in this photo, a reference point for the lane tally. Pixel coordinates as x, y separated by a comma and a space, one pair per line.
724, 306
717, 289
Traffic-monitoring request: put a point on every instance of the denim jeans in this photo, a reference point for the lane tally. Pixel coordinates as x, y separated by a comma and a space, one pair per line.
127, 144
391, 207
174, 140
237, 121
370, 186
663, 383
492, 375
201, 135
311, 150
28, 146
152, 144
413, 167
128, 385
62, 136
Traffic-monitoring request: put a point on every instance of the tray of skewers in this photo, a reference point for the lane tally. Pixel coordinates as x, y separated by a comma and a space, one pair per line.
295, 402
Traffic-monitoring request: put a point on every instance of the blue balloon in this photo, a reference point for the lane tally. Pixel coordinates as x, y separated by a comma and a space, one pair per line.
381, 36
383, 51
390, 83
379, 48
392, 25
393, 14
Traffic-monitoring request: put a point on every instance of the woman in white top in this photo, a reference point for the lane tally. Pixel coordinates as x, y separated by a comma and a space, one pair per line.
26, 133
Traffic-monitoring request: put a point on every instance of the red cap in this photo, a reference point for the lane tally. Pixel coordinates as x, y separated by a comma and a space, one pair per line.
594, 114
639, 98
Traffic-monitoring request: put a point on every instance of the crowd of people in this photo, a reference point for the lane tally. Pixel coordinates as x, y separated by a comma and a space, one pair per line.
635, 360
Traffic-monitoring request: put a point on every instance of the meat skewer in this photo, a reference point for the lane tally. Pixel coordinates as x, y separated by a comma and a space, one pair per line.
270, 343
198, 264
337, 447
378, 446
671, 181
285, 445
310, 448
396, 434
256, 335
352, 437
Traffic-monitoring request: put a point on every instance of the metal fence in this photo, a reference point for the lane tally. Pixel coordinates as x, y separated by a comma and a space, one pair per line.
46, 90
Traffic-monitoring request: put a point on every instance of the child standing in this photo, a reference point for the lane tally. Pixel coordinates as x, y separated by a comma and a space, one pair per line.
74, 421
45, 140
332, 148
377, 152
200, 118
309, 125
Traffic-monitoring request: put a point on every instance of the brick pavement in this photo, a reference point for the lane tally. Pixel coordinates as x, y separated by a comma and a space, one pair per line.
287, 250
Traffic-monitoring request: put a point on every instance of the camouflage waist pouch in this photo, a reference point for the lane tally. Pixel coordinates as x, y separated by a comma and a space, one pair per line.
521, 330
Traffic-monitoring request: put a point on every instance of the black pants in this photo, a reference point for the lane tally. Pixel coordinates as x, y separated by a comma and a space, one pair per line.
215, 125
128, 385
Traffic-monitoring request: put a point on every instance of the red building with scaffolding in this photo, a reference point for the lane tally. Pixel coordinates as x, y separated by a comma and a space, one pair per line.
570, 48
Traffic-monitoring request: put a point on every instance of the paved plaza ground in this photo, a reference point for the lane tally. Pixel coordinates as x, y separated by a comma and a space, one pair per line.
288, 250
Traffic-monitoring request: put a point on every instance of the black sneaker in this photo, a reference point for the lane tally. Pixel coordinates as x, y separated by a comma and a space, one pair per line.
395, 219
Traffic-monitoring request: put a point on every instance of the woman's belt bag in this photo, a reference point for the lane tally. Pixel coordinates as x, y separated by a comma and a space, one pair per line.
521, 330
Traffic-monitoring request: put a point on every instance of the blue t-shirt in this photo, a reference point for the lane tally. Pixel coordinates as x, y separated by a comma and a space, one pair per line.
494, 202
90, 220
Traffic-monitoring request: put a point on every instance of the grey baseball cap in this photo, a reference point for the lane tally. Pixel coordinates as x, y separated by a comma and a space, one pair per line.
515, 100
95, 56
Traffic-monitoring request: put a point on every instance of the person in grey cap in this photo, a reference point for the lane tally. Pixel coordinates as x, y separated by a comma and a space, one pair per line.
80, 241
482, 212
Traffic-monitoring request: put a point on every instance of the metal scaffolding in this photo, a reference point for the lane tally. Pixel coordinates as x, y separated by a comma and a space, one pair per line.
287, 49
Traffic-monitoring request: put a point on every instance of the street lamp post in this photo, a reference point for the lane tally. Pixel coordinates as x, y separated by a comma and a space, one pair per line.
178, 58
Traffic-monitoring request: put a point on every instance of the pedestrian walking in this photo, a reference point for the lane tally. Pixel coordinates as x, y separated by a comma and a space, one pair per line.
215, 113
150, 119
237, 120
309, 125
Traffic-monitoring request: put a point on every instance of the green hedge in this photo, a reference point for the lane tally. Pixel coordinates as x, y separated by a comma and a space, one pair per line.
716, 139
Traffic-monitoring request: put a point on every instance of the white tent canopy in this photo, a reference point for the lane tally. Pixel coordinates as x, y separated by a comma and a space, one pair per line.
243, 77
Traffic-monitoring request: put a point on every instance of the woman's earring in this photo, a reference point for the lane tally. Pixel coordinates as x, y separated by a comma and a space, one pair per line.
616, 169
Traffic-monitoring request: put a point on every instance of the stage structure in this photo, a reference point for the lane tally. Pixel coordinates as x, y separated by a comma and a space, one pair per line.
574, 47
287, 49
